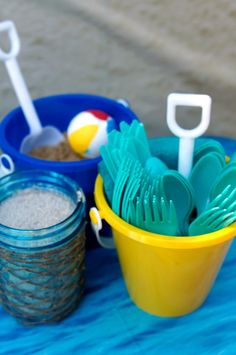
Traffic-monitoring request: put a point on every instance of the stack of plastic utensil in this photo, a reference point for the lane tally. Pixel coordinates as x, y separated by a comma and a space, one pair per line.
146, 193
136, 200
156, 216
132, 140
129, 171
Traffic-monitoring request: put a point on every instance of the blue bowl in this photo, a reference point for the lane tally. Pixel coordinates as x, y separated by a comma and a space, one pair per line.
58, 111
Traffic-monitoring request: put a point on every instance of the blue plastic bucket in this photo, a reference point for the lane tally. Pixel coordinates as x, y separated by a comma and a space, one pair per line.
58, 111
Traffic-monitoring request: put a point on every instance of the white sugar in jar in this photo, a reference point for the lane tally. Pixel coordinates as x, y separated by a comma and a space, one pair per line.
35, 208
42, 245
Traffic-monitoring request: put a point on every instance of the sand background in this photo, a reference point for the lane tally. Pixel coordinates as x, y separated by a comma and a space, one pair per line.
138, 50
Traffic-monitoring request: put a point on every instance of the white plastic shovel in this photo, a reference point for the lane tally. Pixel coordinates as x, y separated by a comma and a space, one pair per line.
187, 136
39, 136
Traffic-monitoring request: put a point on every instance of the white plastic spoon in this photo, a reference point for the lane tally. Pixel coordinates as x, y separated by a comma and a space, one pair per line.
39, 136
187, 136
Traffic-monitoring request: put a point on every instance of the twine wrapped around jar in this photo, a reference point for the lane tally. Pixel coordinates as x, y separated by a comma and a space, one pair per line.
43, 286
42, 271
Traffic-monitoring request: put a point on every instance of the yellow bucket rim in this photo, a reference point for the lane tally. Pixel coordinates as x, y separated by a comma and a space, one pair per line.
158, 240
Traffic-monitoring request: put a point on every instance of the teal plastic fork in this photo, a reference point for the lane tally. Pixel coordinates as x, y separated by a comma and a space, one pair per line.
154, 215
227, 177
221, 213
107, 181
119, 187
132, 188
211, 220
126, 185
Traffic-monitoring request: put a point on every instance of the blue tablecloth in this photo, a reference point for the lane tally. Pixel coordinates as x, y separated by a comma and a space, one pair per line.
107, 322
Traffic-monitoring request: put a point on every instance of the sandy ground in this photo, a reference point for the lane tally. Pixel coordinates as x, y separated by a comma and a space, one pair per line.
139, 50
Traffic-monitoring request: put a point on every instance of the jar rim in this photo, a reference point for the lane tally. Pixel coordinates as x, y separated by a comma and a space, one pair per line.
17, 237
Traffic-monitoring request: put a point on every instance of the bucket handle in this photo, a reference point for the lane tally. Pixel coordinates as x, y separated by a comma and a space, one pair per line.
6, 170
123, 102
96, 223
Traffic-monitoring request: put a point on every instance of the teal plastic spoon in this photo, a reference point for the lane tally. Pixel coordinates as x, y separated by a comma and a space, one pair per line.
208, 147
173, 186
203, 175
233, 159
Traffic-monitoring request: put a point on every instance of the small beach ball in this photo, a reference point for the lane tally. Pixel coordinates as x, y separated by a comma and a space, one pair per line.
89, 130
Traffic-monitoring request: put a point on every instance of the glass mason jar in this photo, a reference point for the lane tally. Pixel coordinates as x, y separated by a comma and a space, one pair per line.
42, 271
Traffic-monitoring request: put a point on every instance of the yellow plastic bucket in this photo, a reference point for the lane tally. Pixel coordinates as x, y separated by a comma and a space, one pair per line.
165, 276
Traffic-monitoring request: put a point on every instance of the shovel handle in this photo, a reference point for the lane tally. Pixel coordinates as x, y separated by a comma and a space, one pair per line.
9, 27
22, 93
187, 136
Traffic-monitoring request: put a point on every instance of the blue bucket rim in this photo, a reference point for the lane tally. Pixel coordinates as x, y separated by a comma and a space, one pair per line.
48, 164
